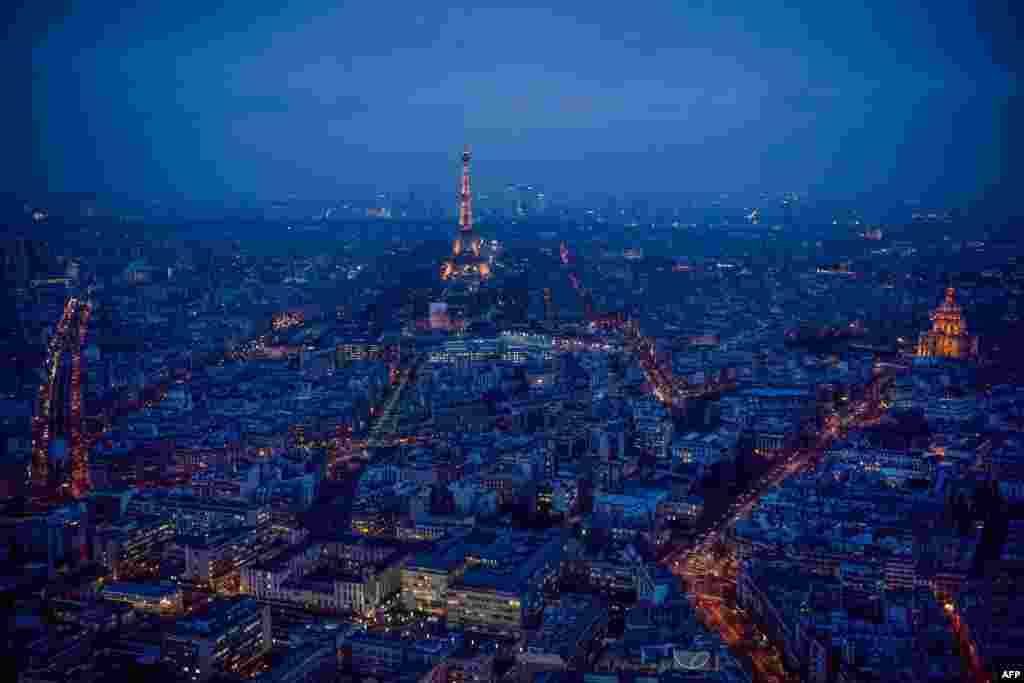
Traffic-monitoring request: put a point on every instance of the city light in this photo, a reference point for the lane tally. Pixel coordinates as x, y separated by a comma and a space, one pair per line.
334, 429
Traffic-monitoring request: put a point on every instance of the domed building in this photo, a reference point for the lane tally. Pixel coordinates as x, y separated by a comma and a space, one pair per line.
948, 337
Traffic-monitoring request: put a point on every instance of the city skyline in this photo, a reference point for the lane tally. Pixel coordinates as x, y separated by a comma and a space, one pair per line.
708, 369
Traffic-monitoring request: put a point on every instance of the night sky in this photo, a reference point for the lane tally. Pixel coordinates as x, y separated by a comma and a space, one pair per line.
895, 100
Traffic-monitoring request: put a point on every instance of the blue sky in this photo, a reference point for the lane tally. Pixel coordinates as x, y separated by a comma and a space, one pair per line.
271, 99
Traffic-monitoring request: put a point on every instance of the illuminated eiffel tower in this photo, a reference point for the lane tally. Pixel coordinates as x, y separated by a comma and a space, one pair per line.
465, 263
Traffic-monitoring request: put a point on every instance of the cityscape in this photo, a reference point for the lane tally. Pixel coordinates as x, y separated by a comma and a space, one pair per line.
500, 424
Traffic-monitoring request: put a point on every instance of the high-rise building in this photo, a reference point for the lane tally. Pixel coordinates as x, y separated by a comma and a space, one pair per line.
948, 337
465, 262
524, 200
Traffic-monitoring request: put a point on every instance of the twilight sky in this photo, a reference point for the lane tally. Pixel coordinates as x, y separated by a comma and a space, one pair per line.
268, 99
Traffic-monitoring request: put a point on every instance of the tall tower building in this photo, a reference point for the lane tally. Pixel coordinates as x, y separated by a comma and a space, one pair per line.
948, 337
465, 262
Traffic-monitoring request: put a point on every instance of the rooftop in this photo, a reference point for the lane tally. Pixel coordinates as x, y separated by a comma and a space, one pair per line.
565, 624
218, 616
